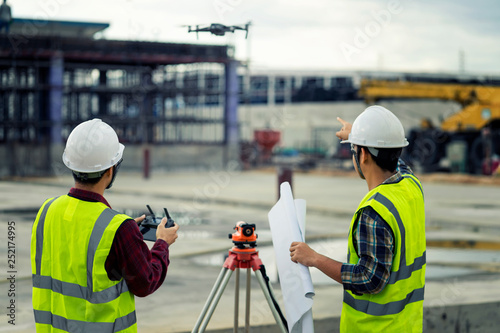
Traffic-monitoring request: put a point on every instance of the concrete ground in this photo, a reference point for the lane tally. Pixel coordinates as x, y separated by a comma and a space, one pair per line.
207, 205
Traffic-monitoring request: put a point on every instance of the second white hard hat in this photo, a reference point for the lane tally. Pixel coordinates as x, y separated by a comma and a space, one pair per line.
377, 127
92, 146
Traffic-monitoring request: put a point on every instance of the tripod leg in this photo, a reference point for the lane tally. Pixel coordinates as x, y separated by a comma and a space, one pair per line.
216, 299
209, 299
262, 283
247, 309
236, 300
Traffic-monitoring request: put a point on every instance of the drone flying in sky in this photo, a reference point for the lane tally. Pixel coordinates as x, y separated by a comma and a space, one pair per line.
219, 29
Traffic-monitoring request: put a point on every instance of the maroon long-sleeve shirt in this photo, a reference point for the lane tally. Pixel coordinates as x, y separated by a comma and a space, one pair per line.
143, 270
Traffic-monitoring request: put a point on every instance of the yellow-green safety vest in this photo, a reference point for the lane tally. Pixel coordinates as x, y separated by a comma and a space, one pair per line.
399, 306
70, 242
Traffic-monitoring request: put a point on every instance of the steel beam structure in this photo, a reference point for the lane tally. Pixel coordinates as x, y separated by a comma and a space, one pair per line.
150, 92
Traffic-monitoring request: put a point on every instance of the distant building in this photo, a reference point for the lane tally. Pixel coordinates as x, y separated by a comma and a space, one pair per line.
54, 75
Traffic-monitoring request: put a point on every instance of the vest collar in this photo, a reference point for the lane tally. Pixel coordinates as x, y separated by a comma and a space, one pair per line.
87, 196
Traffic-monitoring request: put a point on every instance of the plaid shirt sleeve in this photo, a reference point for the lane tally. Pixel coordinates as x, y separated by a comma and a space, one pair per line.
374, 243
130, 258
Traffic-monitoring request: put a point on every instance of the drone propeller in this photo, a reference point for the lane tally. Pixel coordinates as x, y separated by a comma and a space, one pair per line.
247, 26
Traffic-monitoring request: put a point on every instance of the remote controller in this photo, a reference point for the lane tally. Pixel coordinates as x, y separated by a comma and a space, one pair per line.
152, 222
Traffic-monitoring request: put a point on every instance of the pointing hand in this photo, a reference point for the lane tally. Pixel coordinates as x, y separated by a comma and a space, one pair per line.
343, 134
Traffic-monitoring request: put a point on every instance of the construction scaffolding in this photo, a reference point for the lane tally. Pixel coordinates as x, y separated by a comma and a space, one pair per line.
151, 93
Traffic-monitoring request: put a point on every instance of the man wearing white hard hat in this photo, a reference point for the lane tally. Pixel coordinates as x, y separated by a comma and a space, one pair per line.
384, 276
89, 261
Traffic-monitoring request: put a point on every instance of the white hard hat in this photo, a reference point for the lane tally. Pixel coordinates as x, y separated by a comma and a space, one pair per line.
377, 127
92, 146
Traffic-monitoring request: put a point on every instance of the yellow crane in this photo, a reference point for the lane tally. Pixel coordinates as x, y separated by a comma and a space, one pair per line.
477, 124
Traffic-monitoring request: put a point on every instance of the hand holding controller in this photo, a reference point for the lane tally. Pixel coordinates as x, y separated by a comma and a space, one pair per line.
152, 222
168, 234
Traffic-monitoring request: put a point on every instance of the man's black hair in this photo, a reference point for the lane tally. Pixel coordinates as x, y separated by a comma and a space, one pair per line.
387, 158
93, 178
88, 178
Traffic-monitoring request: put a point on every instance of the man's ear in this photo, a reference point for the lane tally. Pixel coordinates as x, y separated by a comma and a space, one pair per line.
108, 173
363, 155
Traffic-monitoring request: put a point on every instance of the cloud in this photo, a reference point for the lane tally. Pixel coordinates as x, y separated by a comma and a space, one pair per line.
425, 35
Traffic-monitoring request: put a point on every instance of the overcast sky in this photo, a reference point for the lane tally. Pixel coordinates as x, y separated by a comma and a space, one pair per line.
400, 35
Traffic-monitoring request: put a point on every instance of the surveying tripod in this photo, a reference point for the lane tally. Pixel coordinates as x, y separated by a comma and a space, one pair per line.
239, 258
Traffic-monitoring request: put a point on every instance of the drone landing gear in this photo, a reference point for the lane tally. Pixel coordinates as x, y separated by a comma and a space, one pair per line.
238, 259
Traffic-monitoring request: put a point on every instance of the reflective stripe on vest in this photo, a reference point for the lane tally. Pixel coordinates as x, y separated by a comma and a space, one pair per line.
75, 290
376, 309
414, 179
39, 237
404, 270
45, 317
